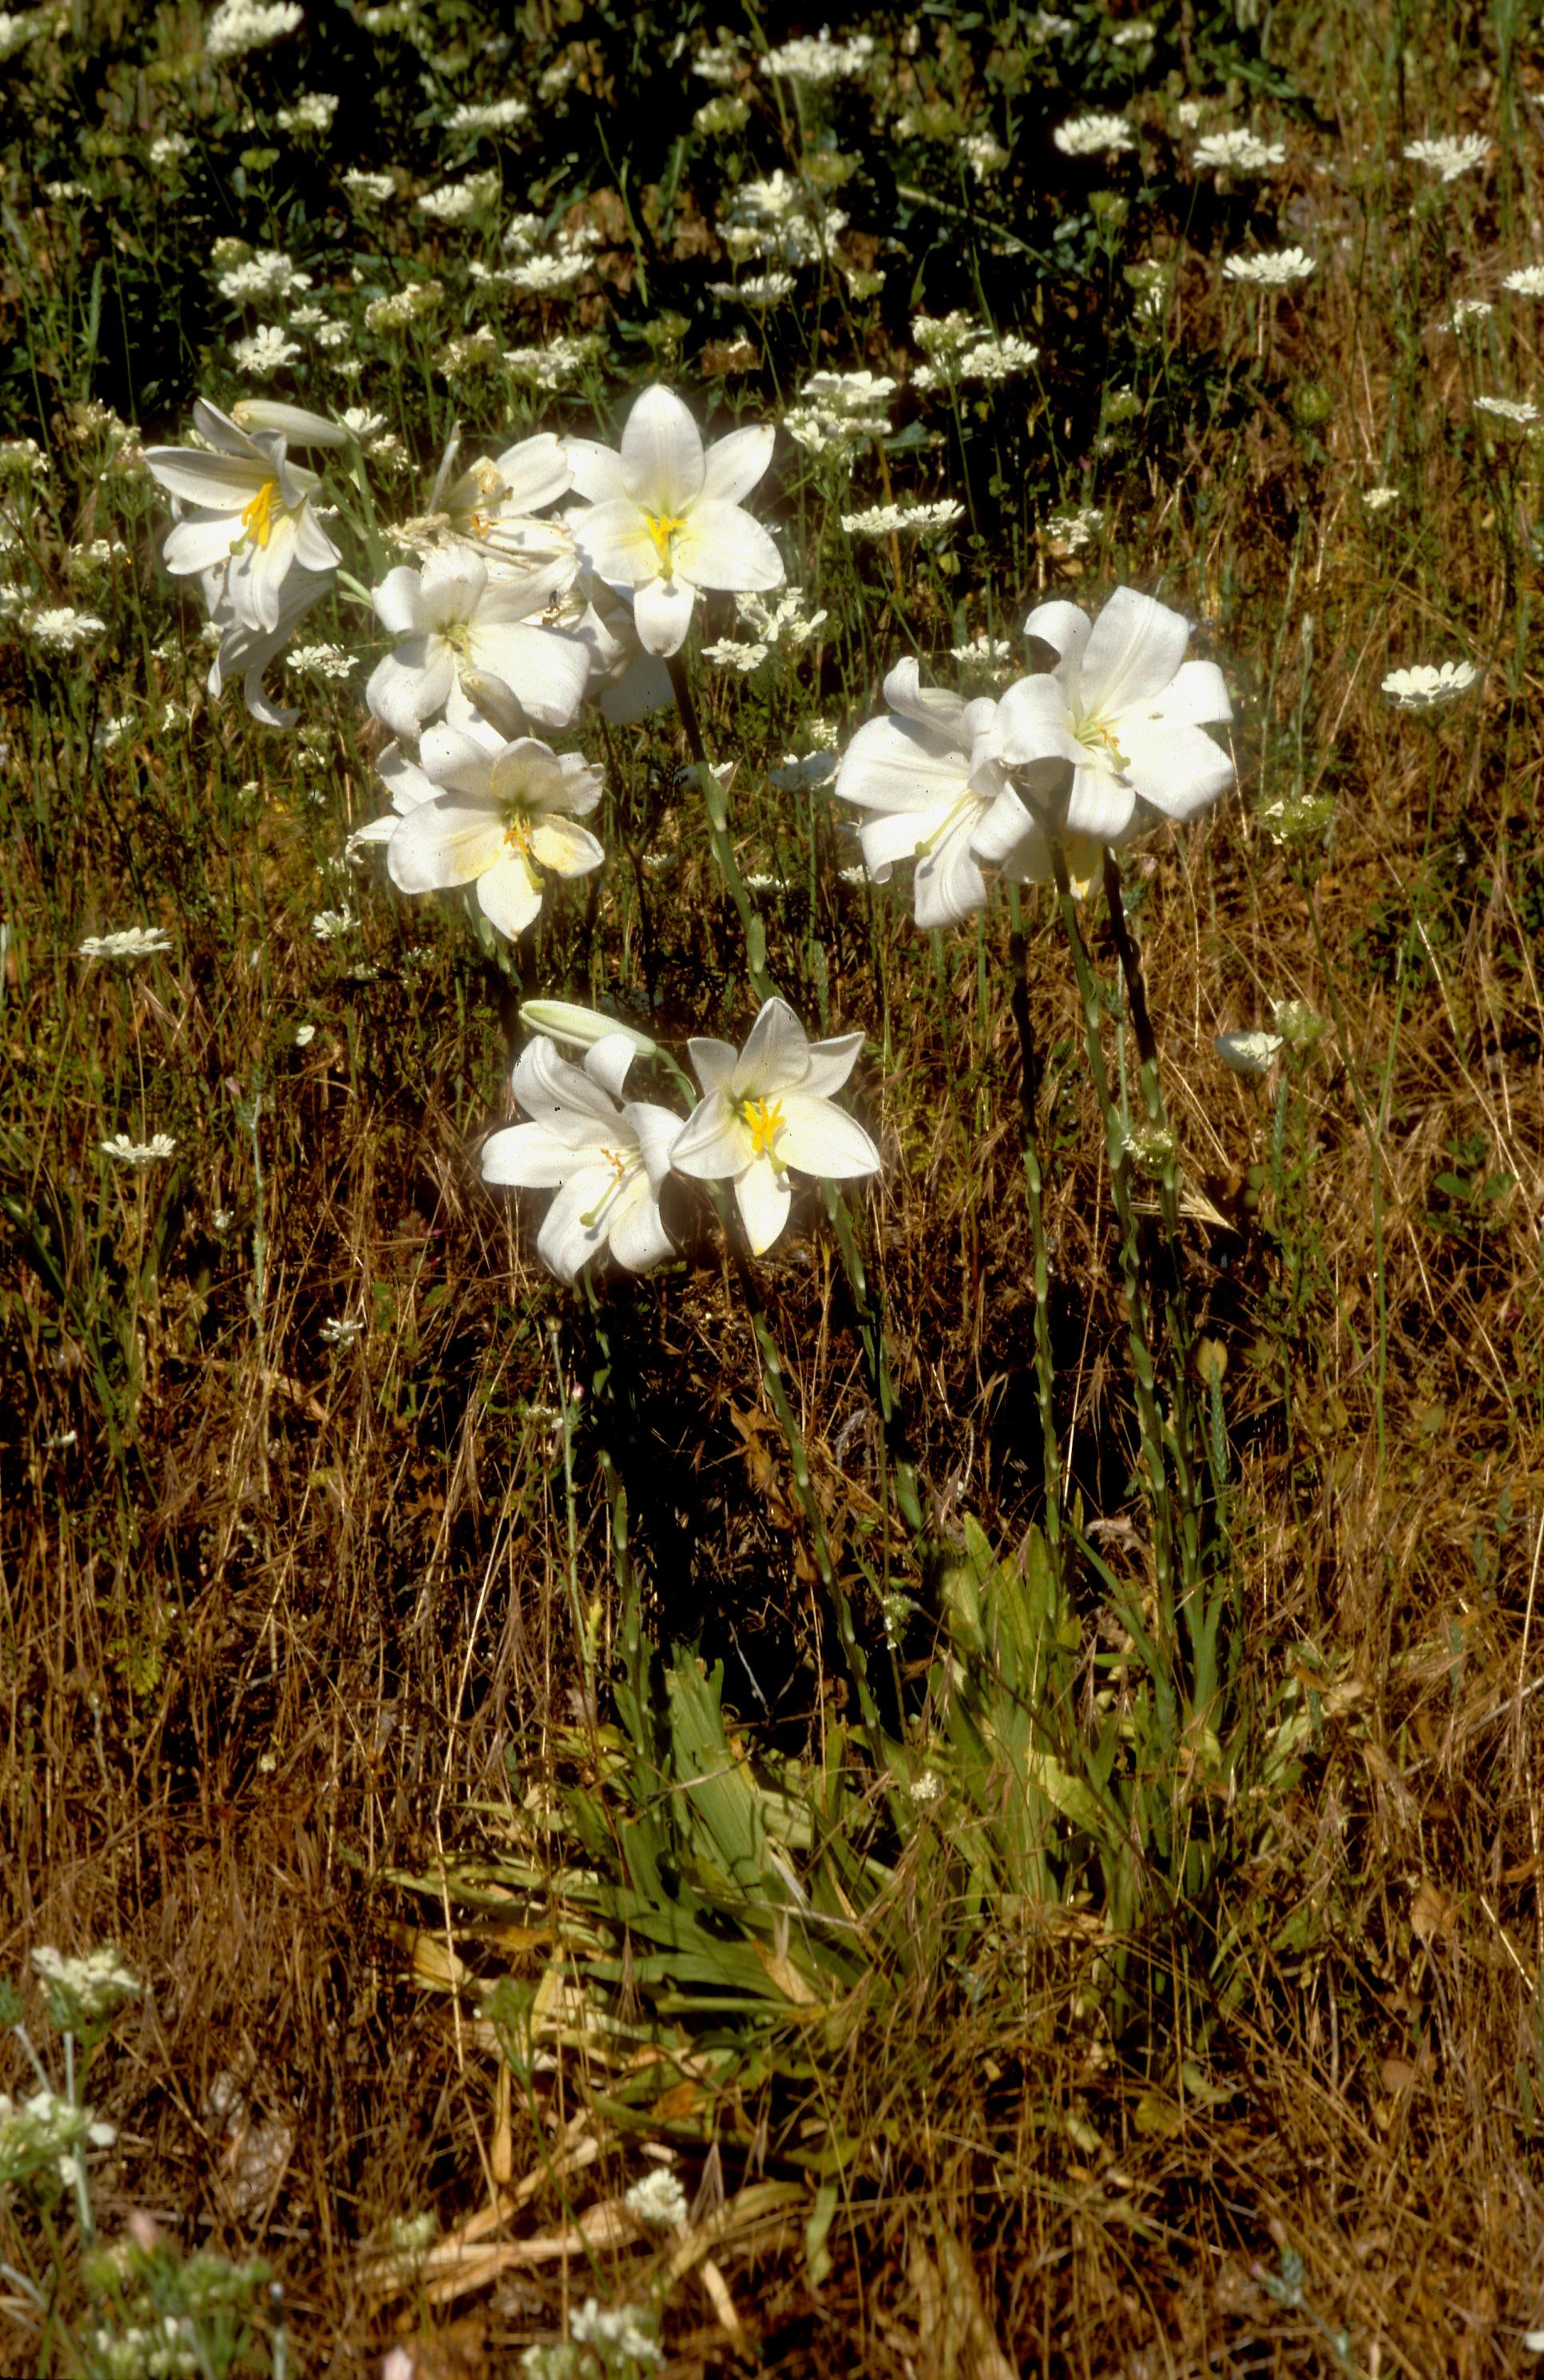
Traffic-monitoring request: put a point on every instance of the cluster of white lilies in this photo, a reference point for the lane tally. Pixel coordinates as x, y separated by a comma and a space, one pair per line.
511, 619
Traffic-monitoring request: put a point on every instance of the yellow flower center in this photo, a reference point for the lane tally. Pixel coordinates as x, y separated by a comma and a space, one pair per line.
662, 527
479, 524
1094, 732
256, 517
517, 834
764, 1119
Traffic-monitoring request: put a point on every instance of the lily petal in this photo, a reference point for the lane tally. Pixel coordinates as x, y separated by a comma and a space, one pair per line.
663, 612
1134, 652
763, 1196
825, 1141
662, 464
734, 464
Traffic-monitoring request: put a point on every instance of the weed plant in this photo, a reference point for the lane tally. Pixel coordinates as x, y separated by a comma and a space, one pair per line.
954, 1785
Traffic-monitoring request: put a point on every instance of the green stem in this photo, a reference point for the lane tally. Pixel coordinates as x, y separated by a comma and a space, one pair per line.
772, 1380
1034, 1185
717, 805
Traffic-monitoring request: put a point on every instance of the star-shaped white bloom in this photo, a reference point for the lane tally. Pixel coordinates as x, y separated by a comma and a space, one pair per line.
498, 810
1122, 713
937, 792
607, 1160
246, 511
767, 1108
455, 621
665, 518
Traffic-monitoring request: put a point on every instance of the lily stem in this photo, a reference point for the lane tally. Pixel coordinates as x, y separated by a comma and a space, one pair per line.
717, 805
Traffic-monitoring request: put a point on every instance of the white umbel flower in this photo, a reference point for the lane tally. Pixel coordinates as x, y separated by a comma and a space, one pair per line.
769, 1106
246, 510
1094, 135
1278, 268
498, 812
1430, 684
1123, 711
453, 620
1450, 159
665, 516
607, 1158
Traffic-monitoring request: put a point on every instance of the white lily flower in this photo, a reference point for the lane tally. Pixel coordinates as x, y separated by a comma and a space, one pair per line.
492, 503
498, 811
626, 682
937, 792
606, 1159
665, 518
408, 787
1122, 711
453, 619
245, 651
248, 510
767, 1108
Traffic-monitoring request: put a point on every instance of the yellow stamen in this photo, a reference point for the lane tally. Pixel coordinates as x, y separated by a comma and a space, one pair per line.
662, 527
258, 516
622, 1166
765, 1121
517, 834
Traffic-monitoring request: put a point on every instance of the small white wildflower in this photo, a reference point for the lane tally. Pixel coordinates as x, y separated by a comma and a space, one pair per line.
1449, 158
128, 942
238, 26
312, 111
1379, 500
112, 731
756, 289
618, 2334
265, 352
983, 652
373, 188
331, 925
328, 661
1272, 269
983, 155
458, 202
928, 1787
1429, 686
168, 149
1527, 281
1236, 153
81, 1991
303, 1036
1466, 310
902, 520
138, 1153
718, 64
1519, 410
1077, 530
547, 276
1093, 135
821, 60
63, 629
658, 2199
491, 116
342, 1330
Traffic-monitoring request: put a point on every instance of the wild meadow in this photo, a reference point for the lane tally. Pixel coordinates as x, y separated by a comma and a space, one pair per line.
772, 1158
